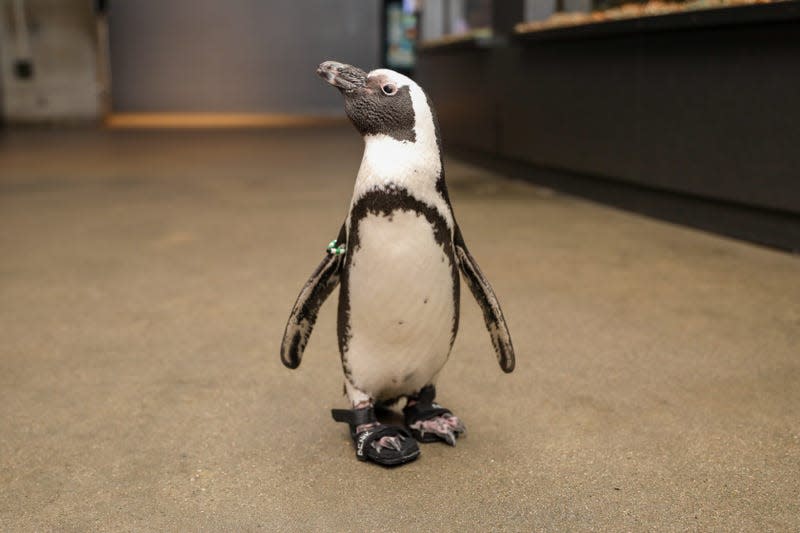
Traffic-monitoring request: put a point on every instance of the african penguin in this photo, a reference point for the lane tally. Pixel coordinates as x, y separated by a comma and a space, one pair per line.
397, 258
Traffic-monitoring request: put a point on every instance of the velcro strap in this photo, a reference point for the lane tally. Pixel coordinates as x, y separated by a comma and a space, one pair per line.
354, 417
426, 395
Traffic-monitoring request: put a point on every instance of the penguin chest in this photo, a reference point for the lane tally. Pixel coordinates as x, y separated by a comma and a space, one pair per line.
402, 303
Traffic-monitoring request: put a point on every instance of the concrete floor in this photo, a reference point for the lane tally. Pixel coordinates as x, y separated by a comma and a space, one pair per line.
146, 279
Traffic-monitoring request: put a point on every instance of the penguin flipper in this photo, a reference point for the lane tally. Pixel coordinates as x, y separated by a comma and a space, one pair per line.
304, 313
484, 295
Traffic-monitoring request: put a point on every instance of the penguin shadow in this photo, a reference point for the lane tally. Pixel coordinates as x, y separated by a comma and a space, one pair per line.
391, 413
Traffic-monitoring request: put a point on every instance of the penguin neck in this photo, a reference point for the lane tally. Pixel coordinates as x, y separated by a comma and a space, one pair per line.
414, 165
388, 162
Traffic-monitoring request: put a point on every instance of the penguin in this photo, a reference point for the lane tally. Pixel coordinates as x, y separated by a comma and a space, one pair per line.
397, 259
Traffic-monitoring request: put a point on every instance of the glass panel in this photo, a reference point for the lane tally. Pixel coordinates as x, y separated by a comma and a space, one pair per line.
401, 34
455, 19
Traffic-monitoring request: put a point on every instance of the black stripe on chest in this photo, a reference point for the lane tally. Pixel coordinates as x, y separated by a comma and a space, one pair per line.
383, 202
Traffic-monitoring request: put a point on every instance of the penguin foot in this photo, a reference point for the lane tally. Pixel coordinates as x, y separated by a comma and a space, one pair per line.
389, 442
429, 421
376, 442
446, 427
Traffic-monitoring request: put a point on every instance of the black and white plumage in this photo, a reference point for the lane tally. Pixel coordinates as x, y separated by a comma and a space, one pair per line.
399, 298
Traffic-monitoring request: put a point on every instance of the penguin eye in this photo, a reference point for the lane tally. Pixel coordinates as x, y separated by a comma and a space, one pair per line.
389, 89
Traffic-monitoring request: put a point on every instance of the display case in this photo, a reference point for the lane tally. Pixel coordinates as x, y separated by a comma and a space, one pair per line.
547, 15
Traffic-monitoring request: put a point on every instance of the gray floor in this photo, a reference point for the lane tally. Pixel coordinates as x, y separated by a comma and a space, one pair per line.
146, 278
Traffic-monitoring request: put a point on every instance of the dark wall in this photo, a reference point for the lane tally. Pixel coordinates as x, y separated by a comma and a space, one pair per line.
237, 55
463, 96
712, 112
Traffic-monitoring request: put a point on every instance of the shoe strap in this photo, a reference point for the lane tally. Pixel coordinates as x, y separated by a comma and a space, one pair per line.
355, 417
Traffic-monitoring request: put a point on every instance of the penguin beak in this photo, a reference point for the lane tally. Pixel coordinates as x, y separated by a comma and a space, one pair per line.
343, 77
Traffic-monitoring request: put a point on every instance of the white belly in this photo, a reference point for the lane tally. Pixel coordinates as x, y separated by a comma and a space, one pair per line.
401, 305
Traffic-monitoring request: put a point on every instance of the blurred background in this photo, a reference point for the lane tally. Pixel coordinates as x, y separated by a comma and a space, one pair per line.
681, 109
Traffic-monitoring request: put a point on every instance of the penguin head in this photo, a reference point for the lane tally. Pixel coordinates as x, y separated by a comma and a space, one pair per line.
379, 102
